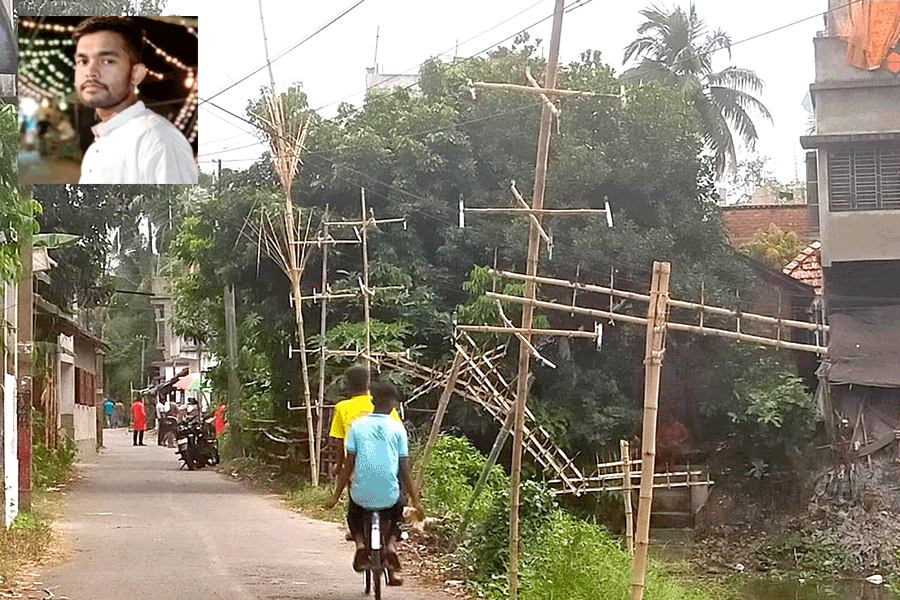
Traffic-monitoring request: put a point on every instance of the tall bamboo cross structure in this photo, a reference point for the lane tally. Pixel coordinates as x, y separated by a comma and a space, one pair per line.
549, 94
281, 241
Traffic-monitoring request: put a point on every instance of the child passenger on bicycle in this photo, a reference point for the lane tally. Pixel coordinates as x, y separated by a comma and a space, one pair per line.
377, 457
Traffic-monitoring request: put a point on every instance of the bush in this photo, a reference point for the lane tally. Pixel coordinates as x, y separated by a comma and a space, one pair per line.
488, 548
453, 469
53, 466
578, 560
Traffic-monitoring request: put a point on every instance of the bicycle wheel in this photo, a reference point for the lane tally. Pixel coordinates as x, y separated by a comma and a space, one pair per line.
368, 581
377, 571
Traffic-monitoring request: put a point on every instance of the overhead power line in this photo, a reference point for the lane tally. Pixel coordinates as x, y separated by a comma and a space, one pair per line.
283, 53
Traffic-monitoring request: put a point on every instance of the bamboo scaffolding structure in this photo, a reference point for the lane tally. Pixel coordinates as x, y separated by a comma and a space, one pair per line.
287, 142
602, 314
653, 356
703, 308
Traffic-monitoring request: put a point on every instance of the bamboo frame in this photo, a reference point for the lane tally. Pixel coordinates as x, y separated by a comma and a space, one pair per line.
703, 308
603, 314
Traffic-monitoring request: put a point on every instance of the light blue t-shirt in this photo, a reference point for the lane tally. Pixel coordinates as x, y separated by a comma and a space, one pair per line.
378, 441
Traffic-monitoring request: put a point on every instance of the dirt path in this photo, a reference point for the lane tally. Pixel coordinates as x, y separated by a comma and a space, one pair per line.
139, 527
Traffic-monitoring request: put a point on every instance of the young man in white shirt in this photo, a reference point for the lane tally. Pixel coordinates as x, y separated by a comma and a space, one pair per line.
132, 143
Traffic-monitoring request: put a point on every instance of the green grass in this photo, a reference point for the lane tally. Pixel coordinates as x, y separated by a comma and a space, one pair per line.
310, 501
24, 543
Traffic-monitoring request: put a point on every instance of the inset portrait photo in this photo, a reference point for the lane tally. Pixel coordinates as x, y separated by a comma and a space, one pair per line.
108, 100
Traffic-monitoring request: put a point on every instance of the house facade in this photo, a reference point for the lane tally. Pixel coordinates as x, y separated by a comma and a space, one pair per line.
853, 170
68, 379
178, 353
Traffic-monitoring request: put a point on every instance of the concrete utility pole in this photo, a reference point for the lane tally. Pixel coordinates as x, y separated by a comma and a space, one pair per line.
234, 386
534, 239
25, 347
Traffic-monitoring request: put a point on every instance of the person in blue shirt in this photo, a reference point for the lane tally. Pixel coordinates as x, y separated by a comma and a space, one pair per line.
108, 407
377, 461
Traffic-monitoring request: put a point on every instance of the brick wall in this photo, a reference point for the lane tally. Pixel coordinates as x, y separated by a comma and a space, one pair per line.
742, 222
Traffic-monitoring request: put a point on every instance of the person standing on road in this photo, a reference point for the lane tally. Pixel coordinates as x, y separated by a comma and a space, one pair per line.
138, 421
108, 408
377, 461
119, 413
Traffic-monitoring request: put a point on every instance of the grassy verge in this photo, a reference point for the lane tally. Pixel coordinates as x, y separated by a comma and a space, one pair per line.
562, 556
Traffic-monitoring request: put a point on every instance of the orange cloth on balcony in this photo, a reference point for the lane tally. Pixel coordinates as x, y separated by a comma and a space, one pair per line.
872, 32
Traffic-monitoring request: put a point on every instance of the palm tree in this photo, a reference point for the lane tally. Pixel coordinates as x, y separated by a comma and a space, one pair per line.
675, 49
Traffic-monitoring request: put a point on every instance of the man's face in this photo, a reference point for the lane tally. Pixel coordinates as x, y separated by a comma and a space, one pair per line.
104, 76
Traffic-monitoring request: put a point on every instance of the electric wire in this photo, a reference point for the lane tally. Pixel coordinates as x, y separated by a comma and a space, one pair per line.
302, 41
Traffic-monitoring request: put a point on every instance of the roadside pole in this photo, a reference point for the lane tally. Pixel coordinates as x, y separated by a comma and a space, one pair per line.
25, 346
534, 239
657, 317
234, 386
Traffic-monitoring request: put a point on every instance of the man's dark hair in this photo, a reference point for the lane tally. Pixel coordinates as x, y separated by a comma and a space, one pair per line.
384, 394
357, 380
127, 28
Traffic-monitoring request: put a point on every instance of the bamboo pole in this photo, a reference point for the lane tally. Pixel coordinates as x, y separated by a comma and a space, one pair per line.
537, 202
653, 357
323, 317
438, 418
365, 291
544, 211
488, 465
551, 91
703, 308
626, 496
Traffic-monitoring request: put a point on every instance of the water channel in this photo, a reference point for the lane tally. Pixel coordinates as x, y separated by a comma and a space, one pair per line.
787, 589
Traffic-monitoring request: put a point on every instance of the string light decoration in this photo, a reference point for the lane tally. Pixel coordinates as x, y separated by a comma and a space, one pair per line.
172, 60
47, 70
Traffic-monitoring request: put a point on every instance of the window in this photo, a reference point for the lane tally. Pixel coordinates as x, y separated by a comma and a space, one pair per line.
864, 178
84, 387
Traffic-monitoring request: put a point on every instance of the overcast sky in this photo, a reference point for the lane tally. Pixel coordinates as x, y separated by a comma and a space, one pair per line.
331, 66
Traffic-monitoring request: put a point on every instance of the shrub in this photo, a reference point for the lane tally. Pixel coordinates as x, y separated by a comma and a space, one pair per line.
53, 466
453, 469
488, 548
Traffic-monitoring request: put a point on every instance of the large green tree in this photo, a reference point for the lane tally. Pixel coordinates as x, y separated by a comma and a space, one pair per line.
675, 48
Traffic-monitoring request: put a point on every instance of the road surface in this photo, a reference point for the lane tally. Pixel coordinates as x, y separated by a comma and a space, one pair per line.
142, 529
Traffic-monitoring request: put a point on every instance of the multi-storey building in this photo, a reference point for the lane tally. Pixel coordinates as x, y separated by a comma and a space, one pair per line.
853, 168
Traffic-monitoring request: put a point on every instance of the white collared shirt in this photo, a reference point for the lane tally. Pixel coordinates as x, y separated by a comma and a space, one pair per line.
138, 146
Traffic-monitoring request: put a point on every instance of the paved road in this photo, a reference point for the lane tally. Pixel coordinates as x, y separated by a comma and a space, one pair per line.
141, 529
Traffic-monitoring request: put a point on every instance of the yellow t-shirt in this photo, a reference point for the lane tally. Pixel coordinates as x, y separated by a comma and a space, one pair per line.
347, 410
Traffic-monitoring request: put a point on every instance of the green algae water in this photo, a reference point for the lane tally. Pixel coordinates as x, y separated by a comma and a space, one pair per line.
787, 589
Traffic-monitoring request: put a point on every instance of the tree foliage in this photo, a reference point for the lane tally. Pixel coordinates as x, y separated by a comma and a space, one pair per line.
89, 7
674, 48
416, 153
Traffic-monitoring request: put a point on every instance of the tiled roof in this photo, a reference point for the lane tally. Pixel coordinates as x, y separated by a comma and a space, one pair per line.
806, 266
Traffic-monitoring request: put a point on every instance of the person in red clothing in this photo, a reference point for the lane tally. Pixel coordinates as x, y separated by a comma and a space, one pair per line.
138, 421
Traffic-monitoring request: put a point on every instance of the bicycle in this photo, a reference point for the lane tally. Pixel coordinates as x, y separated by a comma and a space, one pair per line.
375, 571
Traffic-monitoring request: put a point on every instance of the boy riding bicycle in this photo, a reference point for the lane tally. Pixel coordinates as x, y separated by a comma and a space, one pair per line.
377, 458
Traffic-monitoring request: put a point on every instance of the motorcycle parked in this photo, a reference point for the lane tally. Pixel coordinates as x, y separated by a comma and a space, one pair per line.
197, 444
